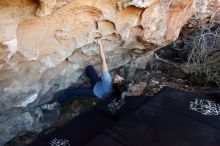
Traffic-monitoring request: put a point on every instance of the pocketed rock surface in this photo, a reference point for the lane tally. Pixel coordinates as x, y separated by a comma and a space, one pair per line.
45, 46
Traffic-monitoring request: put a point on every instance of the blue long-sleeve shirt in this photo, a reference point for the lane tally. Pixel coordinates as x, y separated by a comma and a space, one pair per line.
104, 86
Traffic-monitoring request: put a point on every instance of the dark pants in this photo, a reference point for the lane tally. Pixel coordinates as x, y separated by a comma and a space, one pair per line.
81, 92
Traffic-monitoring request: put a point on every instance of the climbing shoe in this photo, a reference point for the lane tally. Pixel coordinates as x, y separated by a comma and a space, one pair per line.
49, 106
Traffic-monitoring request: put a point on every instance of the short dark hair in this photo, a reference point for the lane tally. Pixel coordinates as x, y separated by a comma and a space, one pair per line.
119, 88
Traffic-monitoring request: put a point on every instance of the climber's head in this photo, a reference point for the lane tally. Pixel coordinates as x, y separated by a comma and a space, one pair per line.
119, 86
117, 79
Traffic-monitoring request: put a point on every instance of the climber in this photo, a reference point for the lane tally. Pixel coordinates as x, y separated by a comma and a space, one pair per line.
100, 87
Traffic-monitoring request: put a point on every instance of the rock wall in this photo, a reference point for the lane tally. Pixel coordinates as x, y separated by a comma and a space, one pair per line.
206, 8
45, 46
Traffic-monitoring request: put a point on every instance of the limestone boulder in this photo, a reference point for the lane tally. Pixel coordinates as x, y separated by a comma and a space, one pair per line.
12, 13
46, 7
106, 27
137, 89
46, 44
126, 19
171, 16
206, 8
138, 3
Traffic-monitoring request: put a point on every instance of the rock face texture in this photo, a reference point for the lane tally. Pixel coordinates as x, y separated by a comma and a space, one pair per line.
46, 44
206, 8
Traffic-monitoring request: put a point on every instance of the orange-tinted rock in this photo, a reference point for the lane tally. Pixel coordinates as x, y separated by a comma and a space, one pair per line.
171, 16
48, 43
106, 27
68, 28
12, 12
126, 19
46, 7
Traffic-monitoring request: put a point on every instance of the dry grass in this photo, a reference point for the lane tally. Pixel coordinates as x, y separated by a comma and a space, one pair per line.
204, 57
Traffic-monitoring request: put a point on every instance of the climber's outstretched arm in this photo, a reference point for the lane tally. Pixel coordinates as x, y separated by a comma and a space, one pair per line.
102, 57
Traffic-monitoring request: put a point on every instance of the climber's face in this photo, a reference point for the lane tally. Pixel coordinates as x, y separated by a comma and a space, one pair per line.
117, 79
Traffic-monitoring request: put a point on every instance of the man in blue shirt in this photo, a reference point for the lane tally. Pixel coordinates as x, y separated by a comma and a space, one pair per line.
99, 86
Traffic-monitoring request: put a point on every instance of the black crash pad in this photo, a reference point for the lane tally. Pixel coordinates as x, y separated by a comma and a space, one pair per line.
84, 127
170, 118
